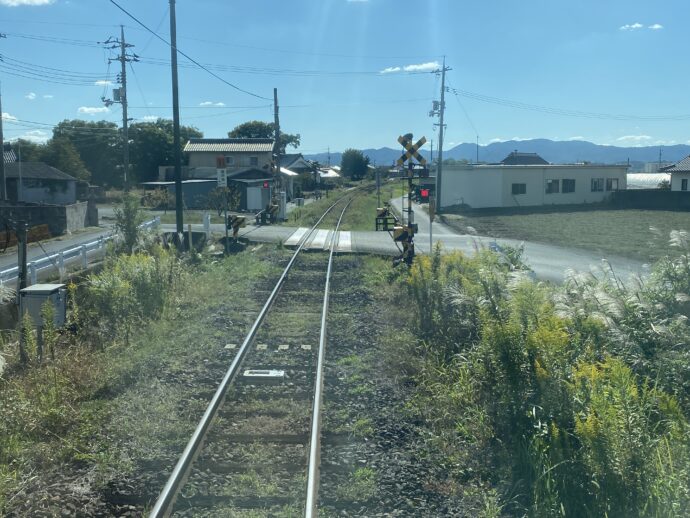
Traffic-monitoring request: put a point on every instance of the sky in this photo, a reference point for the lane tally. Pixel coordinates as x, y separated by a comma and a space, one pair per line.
358, 73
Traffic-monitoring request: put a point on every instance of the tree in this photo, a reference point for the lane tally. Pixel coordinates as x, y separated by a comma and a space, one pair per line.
99, 144
152, 146
30, 151
259, 129
353, 164
61, 154
127, 221
221, 199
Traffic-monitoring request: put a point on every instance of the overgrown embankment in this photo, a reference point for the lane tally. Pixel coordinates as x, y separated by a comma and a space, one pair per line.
568, 401
110, 390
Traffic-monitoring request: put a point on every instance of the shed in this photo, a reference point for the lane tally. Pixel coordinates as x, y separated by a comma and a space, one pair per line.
40, 183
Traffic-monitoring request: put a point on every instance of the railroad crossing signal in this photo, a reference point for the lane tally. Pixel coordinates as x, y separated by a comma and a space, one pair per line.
235, 223
412, 150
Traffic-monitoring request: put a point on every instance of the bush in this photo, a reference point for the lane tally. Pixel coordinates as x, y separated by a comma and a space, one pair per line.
576, 397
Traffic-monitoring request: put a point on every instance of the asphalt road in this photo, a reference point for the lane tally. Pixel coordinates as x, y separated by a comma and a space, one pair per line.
549, 262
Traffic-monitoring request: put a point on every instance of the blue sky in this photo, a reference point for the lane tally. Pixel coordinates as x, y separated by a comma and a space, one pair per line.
340, 67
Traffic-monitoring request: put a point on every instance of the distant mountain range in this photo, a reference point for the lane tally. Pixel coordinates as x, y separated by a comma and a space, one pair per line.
556, 152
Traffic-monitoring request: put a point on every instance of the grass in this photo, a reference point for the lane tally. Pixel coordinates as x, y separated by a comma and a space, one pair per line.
99, 409
623, 233
359, 216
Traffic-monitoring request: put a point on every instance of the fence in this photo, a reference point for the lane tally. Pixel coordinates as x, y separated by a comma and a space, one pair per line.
60, 260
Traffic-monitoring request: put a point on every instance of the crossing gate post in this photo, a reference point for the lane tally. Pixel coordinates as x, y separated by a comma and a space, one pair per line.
61, 265
84, 257
33, 274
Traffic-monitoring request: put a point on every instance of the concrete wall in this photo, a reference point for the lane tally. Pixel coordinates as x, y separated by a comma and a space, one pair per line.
677, 181
488, 186
468, 186
242, 160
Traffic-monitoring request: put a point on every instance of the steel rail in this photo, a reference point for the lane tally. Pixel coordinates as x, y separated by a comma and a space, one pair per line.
166, 499
314, 462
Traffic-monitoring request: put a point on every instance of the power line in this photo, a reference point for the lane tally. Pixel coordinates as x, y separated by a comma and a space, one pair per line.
564, 112
467, 115
177, 49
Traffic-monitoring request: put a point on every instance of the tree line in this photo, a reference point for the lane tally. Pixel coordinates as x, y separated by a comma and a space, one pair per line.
92, 150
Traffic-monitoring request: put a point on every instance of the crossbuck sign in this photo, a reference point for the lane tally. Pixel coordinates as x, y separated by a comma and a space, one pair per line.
411, 150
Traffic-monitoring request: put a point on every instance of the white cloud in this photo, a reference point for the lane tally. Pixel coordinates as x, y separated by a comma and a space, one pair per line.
149, 118
93, 110
211, 103
30, 96
631, 26
103, 82
519, 139
422, 67
656, 27
634, 138
494, 140
48, 96
7, 117
15, 3
419, 67
578, 137
38, 136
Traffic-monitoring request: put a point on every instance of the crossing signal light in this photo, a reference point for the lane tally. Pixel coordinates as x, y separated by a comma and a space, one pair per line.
424, 194
266, 186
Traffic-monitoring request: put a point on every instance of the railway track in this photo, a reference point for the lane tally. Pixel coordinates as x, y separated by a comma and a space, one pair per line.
257, 446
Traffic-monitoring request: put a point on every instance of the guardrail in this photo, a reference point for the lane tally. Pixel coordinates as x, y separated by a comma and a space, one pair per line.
60, 259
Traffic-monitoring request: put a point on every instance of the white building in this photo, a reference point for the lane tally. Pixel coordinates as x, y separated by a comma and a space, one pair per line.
680, 174
531, 182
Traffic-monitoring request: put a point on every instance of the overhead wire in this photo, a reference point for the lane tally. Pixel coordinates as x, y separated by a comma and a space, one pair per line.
177, 50
565, 112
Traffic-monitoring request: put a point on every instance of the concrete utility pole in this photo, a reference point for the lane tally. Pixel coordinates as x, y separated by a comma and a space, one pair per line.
120, 95
276, 143
441, 127
3, 180
123, 98
176, 122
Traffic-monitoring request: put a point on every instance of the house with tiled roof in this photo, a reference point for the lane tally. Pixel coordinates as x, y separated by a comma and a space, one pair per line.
680, 174
236, 154
36, 182
517, 158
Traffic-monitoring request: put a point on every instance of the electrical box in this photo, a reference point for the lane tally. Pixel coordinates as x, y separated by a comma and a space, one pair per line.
32, 299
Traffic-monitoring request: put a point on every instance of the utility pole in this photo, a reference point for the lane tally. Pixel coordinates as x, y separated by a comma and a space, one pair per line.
120, 94
276, 143
21, 230
176, 123
441, 127
3, 180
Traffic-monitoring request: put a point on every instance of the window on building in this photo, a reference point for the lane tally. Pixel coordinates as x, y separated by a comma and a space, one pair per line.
597, 184
519, 188
612, 184
230, 160
553, 186
568, 185
254, 160
684, 184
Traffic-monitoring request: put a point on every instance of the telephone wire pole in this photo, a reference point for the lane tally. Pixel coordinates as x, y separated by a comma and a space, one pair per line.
439, 110
176, 122
120, 95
